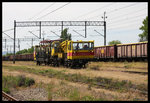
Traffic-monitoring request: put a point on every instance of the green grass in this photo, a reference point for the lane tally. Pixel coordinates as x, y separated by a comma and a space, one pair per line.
6, 89
50, 92
13, 82
74, 95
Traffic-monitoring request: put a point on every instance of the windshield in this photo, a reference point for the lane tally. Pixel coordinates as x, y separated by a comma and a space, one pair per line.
83, 46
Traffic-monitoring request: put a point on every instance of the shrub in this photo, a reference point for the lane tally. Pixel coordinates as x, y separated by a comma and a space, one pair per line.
12, 82
6, 89
23, 81
29, 81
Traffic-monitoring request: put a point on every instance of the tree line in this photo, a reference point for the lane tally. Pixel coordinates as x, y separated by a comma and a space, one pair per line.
24, 51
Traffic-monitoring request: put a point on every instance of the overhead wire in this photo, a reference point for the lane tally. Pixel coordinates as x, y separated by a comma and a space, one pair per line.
124, 25
8, 29
133, 12
114, 10
53, 11
95, 10
41, 11
122, 8
122, 20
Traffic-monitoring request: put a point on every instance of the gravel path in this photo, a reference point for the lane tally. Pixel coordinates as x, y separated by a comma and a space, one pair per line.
4, 99
30, 94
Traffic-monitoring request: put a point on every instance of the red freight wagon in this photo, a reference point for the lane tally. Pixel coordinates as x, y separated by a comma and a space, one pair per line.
25, 57
134, 50
11, 57
30, 56
18, 57
104, 52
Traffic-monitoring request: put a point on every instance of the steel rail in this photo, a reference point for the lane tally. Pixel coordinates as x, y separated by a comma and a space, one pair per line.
8, 97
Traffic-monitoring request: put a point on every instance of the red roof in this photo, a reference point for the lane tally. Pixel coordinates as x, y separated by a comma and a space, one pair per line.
48, 41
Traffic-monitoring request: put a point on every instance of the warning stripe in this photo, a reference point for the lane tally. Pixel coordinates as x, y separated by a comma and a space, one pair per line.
80, 53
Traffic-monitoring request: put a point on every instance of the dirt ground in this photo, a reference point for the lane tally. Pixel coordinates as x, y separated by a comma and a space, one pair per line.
115, 71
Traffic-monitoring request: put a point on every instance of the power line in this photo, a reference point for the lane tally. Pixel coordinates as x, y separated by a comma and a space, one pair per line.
121, 8
124, 23
8, 29
127, 25
123, 31
99, 33
41, 11
55, 33
134, 12
53, 11
7, 35
78, 33
94, 10
130, 21
115, 10
122, 20
33, 34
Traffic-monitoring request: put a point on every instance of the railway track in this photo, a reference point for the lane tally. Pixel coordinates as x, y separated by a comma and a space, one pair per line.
7, 97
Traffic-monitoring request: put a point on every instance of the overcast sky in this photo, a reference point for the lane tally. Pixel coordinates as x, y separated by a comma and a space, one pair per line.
122, 23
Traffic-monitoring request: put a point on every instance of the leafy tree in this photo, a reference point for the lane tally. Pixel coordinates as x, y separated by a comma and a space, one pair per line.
144, 28
30, 50
64, 35
8, 54
114, 42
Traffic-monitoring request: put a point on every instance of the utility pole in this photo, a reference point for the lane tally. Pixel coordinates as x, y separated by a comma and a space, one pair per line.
85, 29
40, 31
7, 50
14, 40
61, 28
5, 43
19, 44
104, 28
32, 42
43, 37
19, 47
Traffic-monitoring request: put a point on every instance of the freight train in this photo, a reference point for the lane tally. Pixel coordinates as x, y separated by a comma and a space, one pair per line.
19, 57
122, 52
119, 52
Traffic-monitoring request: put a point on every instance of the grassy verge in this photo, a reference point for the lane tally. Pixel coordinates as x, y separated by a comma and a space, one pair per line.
66, 92
137, 65
102, 82
13, 82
